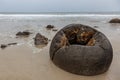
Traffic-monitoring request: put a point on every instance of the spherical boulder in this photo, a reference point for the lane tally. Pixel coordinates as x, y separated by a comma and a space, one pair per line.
82, 50
115, 20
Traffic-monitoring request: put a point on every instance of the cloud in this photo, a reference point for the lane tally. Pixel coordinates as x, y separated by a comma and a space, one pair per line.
59, 5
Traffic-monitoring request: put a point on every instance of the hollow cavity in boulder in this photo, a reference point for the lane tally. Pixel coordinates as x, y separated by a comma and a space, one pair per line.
77, 36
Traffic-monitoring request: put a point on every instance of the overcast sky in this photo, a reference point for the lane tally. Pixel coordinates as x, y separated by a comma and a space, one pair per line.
59, 5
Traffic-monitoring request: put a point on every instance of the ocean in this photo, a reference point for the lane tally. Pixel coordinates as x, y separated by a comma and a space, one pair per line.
10, 24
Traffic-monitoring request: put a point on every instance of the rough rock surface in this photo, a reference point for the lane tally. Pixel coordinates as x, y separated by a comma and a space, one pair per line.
40, 39
82, 50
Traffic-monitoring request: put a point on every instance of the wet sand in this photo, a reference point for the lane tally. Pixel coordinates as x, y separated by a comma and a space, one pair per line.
27, 62
20, 63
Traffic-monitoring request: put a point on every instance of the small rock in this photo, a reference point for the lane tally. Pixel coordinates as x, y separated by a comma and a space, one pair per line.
115, 20
3, 46
12, 43
40, 39
96, 27
49, 40
54, 30
49, 26
24, 33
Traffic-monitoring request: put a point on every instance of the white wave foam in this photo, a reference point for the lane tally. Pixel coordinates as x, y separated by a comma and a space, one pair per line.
56, 15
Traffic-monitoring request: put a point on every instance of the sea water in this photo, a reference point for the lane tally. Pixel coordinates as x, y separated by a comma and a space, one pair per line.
10, 24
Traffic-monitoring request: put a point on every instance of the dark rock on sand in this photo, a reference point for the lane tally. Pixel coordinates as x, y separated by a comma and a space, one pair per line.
82, 50
95, 27
115, 20
54, 30
3, 46
49, 26
12, 44
24, 33
40, 39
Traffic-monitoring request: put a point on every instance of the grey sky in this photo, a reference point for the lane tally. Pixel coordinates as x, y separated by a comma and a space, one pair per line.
59, 5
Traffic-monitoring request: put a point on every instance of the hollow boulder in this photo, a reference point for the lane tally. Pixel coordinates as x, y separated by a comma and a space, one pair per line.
82, 50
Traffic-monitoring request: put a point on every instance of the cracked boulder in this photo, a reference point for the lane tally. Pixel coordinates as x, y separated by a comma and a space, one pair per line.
82, 50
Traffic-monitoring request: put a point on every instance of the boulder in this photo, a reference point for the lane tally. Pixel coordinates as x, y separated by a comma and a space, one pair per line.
24, 33
115, 20
82, 50
49, 26
40, 39
3, 46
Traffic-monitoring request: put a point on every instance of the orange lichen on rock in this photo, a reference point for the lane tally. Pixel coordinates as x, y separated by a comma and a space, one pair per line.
63, 41
84, 37
91, 42
78, 36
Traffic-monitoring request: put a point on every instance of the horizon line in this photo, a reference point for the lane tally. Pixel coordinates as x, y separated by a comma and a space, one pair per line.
59, 12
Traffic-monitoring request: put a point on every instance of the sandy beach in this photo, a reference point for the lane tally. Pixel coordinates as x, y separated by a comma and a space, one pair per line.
25, 61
